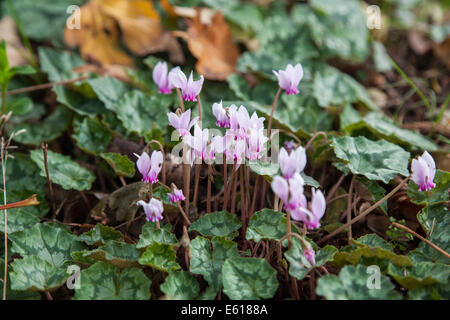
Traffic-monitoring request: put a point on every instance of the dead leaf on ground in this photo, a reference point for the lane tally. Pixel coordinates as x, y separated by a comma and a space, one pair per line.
142, 30
17, 54
212, 45
98, 37
140, 24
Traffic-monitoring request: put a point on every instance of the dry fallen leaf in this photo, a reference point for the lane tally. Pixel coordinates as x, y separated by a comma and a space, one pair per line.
98, 37
212, 45
17, 54
140, 24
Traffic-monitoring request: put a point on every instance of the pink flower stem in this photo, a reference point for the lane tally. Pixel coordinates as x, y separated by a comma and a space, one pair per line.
274, 105
199, 111
288, 227
197, 179
180, 97
233, 187
208, 191
225, 182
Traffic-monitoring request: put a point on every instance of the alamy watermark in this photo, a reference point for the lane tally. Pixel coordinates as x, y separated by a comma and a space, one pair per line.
74, 21
373, 15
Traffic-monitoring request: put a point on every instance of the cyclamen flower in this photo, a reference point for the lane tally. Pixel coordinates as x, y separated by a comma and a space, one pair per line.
221, 115
176, 196
292, 163
149, 167
310, 255
198, 141
182, 123
153, 209
311, 217
289, 78
290, 191
256, 142
423, 171
161, 78
189, 88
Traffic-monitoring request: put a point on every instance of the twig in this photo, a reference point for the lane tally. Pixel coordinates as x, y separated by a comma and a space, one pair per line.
184, 214
364, 213
208, 190
315, 135
349, 208
274, 105
398, 225
45, 85
49, 181
335, 187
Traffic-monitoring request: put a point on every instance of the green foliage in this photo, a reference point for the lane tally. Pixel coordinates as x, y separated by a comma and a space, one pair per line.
437, 195
221, 223
121, 164
180, 285
100, 234
376, 160
352, 285
63, 170
248, 279
150, 234
103, 281
299, 266
208, 257
266, 224
120, 254
91, 136
160, 256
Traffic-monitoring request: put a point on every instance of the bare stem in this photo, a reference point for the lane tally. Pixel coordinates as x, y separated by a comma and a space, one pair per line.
364, 213
196, 182
208, 191
349, 208
274, 105
315, 135
180, 97
234, 188
46, 85
398, 225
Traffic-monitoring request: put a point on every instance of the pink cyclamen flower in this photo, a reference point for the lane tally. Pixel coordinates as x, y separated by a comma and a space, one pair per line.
310, 255
312, 217
176, 196
198, 141
291, 192
256, 141
289, 78
292, 163
423, 171
182, 123
149, 167
161, 78
153, 209
221, 115
189, 88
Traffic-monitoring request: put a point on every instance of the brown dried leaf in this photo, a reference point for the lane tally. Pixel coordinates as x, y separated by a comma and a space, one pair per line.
98, 37
141, 26
212, 45
17, 54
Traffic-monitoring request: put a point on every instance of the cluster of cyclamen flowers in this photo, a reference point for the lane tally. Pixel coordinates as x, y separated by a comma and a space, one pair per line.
290, 187
150, 167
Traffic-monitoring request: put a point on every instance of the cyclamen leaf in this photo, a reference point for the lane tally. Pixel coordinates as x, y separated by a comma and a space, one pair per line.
16, 295
150, 234
91, 136
180, 285
48, 242
63, 170
221, 223
160, 256
352, 285
121, 164
421, 274
103, 281
120, 254
49, 129
248, 279
376, 160
267, 224
208, 263
436, 195
35, 273
100, 234
299, 266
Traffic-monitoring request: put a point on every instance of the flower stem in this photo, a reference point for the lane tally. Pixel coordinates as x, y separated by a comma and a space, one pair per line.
180, 97
274, 105
208, 192
234, 188
349, 208
197, 179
